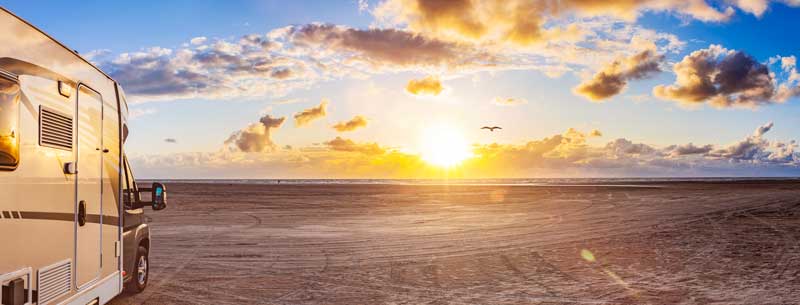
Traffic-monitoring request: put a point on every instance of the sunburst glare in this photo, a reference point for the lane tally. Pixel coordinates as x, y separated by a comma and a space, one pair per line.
444, 146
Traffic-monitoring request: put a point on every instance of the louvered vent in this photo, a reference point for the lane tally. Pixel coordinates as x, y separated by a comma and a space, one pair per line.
56, 129
54, 281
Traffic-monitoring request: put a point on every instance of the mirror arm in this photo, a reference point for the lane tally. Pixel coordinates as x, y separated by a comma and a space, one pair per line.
140, 203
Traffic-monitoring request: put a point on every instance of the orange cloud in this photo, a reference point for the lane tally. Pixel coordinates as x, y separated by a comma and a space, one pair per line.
427, 86
353, 124
309, 115
342, 144
524, 22
560, 155
613, 77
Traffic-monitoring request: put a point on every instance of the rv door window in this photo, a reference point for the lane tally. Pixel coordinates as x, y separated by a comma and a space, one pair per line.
9, 123
130, 193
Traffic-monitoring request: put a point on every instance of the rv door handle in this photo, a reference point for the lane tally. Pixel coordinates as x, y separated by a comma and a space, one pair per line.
82, 213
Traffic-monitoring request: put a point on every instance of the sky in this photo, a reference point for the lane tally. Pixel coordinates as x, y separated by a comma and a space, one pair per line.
401, 88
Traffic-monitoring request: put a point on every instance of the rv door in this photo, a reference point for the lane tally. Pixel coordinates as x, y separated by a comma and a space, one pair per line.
88, 203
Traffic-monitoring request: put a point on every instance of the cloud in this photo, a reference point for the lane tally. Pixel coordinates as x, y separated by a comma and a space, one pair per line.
198, 40
761, 130
758, 7
595, 133
624, 147
282, 73
96, 55
309, 115
791, 87
251, 66
153, 73
688, 149
723, 78
561, 155
385, 47
613, 77
509, 101
353, 124
430, 86
753, 148
451, 38
523, 22
569, 152
256, 137
170, 140
347, 145
788, 63
297, 57
786, 92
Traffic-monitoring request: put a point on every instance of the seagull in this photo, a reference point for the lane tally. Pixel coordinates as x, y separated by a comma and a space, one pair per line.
491, 128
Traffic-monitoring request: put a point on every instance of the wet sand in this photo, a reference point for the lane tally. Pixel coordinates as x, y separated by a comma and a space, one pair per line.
691, 243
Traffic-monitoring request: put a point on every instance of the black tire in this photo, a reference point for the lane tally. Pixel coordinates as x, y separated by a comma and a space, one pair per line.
136, 284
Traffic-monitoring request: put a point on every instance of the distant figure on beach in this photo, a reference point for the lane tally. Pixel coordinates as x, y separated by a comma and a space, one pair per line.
491, 128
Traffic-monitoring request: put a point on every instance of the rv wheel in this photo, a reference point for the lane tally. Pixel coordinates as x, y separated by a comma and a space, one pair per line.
141, 271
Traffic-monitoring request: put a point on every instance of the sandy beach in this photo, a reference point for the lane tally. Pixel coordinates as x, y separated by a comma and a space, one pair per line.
691, 243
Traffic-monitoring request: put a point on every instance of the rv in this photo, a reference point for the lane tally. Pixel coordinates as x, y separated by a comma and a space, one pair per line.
72, 228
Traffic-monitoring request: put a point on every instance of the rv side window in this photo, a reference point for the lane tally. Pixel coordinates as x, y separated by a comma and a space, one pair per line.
130, 195
9, 123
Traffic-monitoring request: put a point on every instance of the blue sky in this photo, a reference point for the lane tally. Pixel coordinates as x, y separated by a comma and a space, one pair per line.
131, 26
201, 123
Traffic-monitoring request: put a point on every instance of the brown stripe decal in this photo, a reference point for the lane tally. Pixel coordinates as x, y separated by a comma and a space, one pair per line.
6, 214
110, 220
48, 216
91, 218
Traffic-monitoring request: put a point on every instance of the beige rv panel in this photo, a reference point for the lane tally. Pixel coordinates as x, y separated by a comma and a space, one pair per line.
38, 203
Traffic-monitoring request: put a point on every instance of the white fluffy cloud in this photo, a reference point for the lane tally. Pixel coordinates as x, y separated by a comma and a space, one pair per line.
256, 137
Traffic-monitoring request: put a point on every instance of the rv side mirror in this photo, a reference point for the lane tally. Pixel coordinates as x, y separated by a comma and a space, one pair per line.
159, 196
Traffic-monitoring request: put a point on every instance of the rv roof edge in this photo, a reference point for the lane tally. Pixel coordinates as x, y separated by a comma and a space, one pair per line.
73, 51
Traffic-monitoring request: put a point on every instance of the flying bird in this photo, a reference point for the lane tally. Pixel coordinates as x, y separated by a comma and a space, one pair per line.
491, 128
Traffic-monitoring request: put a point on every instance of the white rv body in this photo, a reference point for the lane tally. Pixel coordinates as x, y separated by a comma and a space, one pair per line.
60, 205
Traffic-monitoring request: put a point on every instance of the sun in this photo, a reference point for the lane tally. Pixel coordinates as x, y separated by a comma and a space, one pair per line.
444, 146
